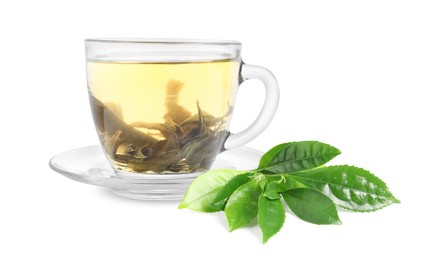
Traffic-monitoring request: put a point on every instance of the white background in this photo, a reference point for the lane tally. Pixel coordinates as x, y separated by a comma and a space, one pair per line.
352, 73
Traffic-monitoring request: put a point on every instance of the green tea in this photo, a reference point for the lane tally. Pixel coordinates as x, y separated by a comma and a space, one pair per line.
162, 117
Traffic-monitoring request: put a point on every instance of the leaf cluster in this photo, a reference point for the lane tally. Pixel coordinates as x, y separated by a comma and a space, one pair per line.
293, 174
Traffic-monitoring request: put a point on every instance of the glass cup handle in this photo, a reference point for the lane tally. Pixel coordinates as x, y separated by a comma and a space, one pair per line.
269, 107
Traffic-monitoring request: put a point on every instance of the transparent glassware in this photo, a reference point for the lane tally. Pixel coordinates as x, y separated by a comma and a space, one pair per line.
162, 107
88, 165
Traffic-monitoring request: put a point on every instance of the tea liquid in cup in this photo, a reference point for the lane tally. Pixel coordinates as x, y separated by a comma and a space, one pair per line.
164, 106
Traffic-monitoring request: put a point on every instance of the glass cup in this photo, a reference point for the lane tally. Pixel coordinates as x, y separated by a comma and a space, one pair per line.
162, 107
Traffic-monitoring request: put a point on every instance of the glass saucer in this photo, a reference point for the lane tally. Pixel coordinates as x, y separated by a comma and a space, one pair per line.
89, 165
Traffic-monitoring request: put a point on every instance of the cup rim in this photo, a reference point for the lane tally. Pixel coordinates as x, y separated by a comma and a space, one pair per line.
178, 41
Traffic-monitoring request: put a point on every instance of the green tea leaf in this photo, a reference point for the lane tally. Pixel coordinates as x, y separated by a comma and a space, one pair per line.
271, 194
270, 155
293, 184
210, 191
224, 193
242, 205
311, 206
273, 189
261, 179
349, 187
271, 216
297, 156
